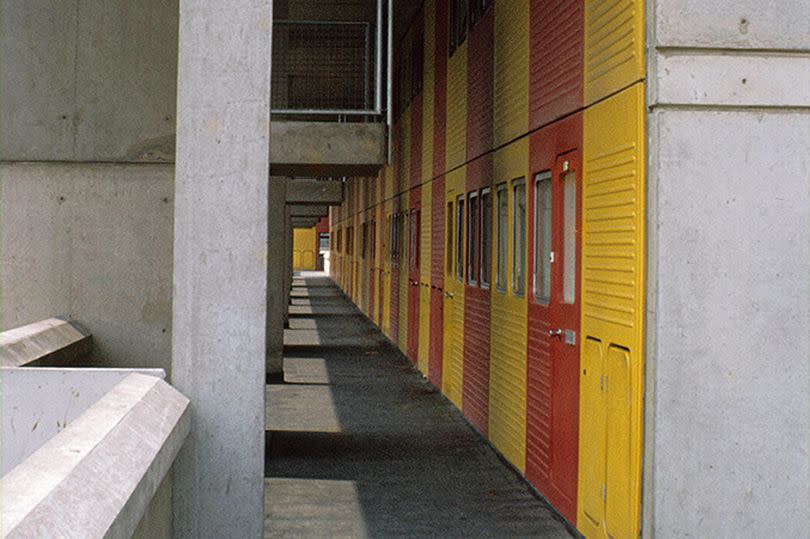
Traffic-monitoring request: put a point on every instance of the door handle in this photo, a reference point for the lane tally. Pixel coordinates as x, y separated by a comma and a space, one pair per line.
448, 295
555, 332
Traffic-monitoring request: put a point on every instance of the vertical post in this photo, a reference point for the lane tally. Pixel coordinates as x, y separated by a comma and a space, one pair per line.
220, 264
288, 264
276, 276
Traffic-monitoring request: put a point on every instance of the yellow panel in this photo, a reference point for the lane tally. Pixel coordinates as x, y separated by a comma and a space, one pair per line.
402, 335
507, 374
613, 306
304, 245
453, 345
456, 135
614, 46
428, 90
619, 391
424, 278
511, 84
592, 451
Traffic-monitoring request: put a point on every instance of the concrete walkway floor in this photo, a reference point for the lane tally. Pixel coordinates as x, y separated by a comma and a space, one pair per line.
360, 445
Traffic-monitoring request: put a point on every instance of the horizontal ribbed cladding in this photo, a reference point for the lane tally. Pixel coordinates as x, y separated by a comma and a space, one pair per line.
556, 37
480, 86
614, 46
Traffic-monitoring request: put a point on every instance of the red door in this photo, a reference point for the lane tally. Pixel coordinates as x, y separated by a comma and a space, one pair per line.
554, 336
413, 281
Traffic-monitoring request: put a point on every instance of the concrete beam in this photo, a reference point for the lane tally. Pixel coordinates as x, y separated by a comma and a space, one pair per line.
220, 264
308, 211
329, 192
326, 149
54, 341
305, 222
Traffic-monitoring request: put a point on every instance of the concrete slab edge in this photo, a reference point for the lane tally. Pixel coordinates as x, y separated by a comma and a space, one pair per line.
97, 478
54, 340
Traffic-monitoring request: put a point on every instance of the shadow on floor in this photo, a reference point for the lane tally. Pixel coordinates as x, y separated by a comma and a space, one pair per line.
360, 445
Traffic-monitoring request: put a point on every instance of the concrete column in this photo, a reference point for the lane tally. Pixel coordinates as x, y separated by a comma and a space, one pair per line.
288, 268
220, 264
276, 275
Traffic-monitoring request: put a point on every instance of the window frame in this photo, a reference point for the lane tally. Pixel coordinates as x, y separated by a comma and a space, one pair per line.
501, 247
515, 185
485, 231
546, 177
473, 237
460, 232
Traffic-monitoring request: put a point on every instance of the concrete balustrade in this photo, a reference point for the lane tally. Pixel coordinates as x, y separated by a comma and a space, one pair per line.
107, 473
53, 341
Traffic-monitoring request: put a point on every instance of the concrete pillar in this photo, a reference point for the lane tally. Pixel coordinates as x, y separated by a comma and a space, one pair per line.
288, 267
276, 275
220, 264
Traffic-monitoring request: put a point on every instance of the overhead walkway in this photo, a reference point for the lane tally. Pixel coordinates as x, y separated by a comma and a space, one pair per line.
360, 445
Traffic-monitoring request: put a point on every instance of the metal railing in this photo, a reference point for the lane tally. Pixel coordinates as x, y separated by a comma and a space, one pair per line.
326, 67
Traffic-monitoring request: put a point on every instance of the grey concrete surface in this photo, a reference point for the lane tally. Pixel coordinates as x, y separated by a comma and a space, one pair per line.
52, 341
220, 264
276, 269
727, 424
40, 402
328, 192
99, 476
360, 445
88, 80
327, 149
305, 222
297, 210
91, 243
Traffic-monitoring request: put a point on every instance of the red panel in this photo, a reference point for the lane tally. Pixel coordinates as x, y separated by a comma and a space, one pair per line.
480, 84
475, 386
556, 37
552, 417
437, 282
323, 225
440, 92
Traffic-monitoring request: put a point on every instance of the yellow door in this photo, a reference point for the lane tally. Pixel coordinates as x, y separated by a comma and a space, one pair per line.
507, 379
612, 317
304, 248
453, 366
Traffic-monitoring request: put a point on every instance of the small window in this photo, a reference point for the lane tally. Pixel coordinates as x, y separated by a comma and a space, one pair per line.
569, 237
486, 237
472, 238
502, 224
460, 239
542, 237
323, 242
449, 231
519, 237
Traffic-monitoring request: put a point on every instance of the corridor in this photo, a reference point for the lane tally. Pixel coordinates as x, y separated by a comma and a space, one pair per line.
360, 445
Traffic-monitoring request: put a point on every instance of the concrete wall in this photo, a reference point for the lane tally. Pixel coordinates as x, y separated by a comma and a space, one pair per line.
727, 403
87, 121
91, 243
88, 80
